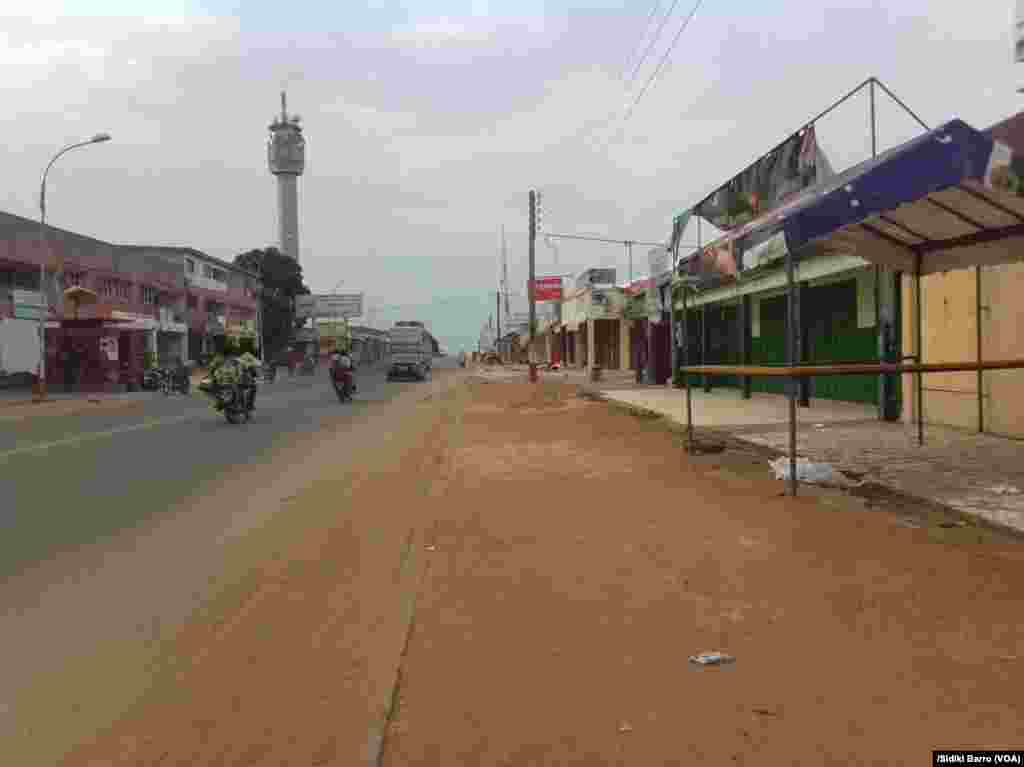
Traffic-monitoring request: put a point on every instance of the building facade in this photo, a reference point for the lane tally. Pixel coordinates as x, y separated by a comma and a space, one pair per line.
172, 302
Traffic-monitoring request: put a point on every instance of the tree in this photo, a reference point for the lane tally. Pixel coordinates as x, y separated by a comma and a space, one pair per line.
281, 280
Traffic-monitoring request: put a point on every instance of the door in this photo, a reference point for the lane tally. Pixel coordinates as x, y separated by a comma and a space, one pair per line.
662, 353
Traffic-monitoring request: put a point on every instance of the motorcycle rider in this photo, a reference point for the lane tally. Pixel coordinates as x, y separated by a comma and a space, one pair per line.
340, 360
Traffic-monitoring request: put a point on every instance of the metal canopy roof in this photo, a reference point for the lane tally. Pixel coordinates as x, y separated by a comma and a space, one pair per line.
949, 199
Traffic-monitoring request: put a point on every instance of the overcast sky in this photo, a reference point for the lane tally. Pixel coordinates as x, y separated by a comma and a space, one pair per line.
427, 123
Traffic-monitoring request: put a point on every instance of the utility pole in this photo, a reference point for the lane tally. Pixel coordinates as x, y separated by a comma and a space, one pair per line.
533, 277
497, 336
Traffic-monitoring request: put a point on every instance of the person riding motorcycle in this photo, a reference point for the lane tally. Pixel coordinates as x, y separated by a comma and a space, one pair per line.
238, 371
341, 361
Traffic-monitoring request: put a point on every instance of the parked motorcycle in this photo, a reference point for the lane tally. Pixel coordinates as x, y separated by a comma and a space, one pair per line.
166, 381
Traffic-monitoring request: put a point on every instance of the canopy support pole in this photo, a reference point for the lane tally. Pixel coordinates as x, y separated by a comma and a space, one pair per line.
919, 349
977, 330
793, 382
686, 372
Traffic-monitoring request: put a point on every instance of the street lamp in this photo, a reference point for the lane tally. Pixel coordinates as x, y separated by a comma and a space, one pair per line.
99, 138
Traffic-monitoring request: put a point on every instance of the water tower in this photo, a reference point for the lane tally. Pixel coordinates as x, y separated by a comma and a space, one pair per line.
286, 157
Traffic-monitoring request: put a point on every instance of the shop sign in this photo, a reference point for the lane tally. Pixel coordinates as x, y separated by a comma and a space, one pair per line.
607, 303
28, 304
592, 277
547, 289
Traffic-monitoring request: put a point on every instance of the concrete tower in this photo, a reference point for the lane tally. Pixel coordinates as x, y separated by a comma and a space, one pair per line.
286, 157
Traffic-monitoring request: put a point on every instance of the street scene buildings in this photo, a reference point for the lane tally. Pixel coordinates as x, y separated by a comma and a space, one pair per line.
750, 493
164, 301
850, 310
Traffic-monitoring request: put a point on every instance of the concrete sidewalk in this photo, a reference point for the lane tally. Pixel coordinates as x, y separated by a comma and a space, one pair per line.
978, 474
726, 408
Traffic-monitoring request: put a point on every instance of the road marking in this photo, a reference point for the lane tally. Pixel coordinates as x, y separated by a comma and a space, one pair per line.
93, 435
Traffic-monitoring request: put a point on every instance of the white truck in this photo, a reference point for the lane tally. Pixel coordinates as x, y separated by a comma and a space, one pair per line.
411, 351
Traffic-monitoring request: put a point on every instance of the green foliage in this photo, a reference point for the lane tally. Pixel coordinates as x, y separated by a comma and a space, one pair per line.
281, 283
149, 360
247, 346
231, 347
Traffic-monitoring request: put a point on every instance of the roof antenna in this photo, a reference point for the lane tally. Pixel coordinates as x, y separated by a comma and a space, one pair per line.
284, 112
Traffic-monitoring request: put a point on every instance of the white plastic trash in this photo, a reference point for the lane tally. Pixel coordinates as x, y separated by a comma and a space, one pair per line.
712, 659
806, 471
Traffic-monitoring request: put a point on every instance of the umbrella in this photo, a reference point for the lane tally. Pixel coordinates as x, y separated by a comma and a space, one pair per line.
78, 295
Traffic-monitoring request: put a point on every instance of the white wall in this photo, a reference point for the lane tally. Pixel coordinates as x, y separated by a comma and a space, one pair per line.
19, 345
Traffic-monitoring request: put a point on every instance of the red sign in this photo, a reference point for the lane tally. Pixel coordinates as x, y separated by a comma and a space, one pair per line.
548, 289
637, 287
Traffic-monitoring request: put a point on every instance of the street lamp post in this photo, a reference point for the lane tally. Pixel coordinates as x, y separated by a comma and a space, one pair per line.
99, 138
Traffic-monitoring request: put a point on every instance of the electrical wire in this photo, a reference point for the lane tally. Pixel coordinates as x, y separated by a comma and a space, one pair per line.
664, 59
654, 40
647, 26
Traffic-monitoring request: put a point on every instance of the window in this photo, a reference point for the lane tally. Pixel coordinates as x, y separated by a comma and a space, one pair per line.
118, 290
72, 278
150, 295
190, 266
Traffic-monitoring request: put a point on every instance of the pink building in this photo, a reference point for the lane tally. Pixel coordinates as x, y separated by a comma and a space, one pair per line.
170, 301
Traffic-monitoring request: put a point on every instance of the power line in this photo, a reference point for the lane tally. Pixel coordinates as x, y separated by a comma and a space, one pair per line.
664, 59
647, 26
654, 40
626, 82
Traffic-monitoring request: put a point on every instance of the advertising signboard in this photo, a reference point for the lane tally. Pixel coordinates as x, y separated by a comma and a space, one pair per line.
606, 304
28, 304
592, 277
340, 305
547, 289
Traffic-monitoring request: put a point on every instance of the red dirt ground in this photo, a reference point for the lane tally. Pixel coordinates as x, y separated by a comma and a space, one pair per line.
566, 559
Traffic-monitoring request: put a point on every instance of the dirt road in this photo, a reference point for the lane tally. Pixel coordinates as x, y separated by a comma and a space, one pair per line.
524, 586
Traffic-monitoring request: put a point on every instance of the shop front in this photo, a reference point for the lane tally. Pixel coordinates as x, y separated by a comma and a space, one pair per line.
95, 354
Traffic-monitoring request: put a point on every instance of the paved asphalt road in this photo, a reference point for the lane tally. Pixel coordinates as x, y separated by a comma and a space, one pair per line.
72, 480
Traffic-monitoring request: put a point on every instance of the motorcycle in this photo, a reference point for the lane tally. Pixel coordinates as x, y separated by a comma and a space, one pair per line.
236, 402
165, 381
344, 384
233, 395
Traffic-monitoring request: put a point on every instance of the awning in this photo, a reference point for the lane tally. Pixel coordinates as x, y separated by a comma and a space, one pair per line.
949, 199
953, 197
